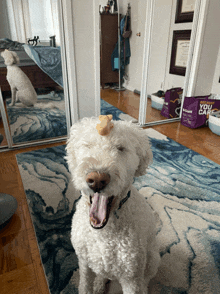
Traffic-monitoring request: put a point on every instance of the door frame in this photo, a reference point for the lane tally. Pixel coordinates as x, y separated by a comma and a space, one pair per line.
68, 60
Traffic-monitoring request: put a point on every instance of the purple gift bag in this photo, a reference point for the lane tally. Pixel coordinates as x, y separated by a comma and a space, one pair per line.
196, 110
172, 103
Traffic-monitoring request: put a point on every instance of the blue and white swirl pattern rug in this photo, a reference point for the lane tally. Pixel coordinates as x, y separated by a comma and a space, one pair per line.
29, 124
181, 185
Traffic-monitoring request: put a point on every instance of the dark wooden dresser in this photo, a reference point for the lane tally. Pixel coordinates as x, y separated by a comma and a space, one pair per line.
109, 38
38, 78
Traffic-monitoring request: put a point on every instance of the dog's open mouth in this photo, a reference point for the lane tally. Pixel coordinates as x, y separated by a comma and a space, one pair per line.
99, 210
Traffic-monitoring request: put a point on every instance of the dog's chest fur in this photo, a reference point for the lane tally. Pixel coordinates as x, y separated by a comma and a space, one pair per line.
110, 251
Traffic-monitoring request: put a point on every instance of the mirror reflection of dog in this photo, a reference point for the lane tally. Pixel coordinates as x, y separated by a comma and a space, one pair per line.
21, 87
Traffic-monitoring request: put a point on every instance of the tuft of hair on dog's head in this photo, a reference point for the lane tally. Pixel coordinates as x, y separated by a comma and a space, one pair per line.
10, 57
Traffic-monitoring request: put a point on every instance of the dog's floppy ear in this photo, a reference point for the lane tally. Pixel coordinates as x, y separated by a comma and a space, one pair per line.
144, 152
16, 58
70, 155
75, 133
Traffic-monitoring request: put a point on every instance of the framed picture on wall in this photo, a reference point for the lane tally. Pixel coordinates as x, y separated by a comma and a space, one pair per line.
180, 51
184, 11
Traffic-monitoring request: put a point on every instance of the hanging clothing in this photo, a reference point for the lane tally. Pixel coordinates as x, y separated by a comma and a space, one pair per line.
125, 53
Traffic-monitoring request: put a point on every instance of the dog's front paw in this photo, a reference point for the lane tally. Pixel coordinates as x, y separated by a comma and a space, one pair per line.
11, 104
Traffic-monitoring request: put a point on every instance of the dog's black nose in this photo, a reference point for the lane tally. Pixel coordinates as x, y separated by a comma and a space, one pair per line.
97, 181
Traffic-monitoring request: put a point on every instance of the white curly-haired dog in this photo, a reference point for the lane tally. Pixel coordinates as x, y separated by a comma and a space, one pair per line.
21, 88
113, 229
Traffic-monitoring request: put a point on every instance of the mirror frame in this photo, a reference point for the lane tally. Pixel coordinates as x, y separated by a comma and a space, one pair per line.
66, 6
67, 54
5, 124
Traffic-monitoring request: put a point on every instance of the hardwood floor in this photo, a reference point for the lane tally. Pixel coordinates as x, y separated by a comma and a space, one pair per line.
201, 140
21, 271
128, 102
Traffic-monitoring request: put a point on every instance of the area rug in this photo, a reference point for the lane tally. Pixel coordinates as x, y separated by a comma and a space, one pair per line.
29, 124
117, 114
184, 189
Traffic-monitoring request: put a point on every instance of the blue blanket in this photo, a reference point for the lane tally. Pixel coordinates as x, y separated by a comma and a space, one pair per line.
6, 43
48, 59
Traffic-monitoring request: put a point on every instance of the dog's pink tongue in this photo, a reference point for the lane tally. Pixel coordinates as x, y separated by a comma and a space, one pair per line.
98, 210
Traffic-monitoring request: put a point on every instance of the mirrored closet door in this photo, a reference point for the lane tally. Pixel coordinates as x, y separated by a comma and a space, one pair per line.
121, 55
4, 131
36, 108
169, 39
3, 141
151, 62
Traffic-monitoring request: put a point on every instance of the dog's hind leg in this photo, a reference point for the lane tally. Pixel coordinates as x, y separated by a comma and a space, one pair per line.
26, 98
13, 96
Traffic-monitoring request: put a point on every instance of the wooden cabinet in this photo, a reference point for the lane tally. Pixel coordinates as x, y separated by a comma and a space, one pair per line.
109, 38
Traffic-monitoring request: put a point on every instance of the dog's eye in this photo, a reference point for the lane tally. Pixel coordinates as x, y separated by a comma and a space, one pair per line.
121, 148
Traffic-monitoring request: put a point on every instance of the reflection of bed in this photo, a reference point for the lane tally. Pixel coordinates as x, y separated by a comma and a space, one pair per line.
41, 64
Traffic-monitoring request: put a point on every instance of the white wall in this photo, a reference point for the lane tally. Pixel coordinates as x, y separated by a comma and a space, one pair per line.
160, 37
138, 17
161, 46
216, 85
84, 24
207, 69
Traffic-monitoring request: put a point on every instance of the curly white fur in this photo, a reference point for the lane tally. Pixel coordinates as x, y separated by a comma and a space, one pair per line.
125, 249
21, 87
